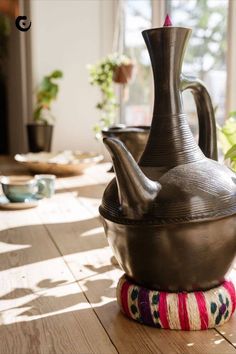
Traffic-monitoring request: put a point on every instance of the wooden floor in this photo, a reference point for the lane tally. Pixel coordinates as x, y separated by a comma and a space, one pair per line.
57, 292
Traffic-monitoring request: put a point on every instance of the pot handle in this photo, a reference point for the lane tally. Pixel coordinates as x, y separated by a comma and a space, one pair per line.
206, 117
41, 189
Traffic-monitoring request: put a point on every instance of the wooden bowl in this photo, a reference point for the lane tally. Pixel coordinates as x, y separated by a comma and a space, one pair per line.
63, 163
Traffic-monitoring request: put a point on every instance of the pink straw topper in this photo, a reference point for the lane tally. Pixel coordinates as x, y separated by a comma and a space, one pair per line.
167, 22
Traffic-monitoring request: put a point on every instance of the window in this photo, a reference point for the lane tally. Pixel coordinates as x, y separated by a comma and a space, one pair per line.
205, 57
206, 53
138, 16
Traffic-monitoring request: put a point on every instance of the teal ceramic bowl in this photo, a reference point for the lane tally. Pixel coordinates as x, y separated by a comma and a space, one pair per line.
19, 188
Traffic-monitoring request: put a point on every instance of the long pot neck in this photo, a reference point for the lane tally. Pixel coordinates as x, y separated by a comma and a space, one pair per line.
170, 141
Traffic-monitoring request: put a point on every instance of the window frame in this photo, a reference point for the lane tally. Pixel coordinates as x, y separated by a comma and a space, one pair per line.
158, 16
231, 58
159, 12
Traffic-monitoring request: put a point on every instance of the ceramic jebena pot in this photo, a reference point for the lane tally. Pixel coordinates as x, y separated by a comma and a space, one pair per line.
134, 137
171, 218
39, 137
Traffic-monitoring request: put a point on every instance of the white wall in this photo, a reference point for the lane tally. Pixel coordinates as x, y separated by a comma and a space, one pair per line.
68, 35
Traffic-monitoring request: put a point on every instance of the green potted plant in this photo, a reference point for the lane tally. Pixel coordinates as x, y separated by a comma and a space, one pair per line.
113, 68
227, 137
123, 69
41, 130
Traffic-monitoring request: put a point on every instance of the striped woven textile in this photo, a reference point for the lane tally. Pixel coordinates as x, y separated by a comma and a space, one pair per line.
184, 311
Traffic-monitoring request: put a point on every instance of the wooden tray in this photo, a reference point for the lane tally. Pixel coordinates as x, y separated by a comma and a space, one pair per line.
62, 163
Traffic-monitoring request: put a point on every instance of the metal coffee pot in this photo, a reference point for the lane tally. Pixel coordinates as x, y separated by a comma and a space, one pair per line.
170, 218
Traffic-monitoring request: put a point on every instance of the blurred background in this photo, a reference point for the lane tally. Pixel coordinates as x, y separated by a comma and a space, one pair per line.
70, 35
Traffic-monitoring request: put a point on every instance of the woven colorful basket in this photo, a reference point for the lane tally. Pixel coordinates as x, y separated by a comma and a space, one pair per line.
184, 311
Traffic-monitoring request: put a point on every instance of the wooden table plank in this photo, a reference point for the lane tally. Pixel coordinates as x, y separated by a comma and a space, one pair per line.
27, 254
42, 308
229, 329
8, 166
58, 320
77, 233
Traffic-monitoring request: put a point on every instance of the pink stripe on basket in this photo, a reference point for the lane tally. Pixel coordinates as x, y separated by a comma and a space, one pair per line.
201, 303
183, 312
229, 286
124, 298
163, 310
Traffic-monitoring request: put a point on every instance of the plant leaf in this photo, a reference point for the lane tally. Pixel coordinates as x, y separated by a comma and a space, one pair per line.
231, 153
232, 114
56, 74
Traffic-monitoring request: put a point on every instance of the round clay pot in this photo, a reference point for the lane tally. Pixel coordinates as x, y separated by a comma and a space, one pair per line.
134, 137
123, 73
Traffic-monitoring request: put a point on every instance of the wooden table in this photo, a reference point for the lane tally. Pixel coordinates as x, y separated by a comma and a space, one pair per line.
57, 292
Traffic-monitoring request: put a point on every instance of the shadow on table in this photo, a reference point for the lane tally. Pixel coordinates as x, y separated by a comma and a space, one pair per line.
94, 191
56, 315
58, 296
82, 330
70, 331
35, 243
28, 246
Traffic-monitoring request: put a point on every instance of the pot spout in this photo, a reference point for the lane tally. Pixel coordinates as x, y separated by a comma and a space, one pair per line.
136, 192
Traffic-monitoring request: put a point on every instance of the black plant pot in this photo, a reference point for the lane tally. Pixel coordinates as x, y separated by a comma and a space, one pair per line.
39, 137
